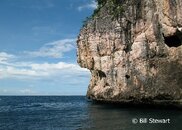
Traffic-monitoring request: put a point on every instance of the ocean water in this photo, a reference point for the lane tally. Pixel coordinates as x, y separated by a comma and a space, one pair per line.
76, 113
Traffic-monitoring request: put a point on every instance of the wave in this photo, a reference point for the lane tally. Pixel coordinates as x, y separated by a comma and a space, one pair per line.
5, 108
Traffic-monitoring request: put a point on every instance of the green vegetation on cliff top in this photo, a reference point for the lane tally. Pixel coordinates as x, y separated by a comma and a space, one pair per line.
114, 8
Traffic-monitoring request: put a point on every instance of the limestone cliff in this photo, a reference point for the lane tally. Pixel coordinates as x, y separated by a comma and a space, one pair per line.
136, 56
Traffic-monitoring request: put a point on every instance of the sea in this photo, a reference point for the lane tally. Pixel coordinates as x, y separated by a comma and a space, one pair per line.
78, 113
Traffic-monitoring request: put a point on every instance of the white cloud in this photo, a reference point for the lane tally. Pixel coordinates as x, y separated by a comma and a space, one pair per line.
54, 49
26, 91
4, 57
23, 91
41, 71
92, 5
19, 72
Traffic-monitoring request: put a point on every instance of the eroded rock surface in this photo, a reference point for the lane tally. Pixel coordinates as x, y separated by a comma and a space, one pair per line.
136, 58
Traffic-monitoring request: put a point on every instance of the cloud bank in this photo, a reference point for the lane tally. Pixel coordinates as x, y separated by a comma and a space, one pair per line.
12, 66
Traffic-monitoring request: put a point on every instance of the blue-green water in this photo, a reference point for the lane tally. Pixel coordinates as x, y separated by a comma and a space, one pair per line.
76, 113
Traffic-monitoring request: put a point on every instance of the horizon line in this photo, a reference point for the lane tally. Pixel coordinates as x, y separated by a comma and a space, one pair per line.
42, 95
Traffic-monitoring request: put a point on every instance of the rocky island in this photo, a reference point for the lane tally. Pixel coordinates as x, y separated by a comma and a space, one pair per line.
133, 49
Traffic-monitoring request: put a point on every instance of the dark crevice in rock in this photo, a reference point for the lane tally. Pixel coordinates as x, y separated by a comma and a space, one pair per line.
139, 9
128, 36
172, 41
127, 76
127, 49
101, 74
107, 84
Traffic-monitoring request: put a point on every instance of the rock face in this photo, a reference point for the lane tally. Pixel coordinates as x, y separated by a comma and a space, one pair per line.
136, 58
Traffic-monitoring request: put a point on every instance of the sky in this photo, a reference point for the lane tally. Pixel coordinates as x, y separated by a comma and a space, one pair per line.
38, 47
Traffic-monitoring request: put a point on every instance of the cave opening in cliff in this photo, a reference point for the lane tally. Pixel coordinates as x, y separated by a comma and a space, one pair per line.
172, 41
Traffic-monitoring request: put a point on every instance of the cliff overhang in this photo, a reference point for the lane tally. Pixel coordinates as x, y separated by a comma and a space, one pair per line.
134, 54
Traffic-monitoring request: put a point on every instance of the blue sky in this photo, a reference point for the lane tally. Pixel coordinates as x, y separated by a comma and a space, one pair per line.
38, 47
